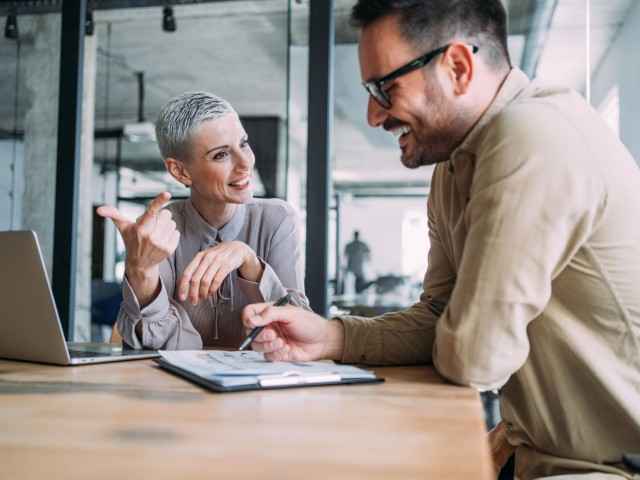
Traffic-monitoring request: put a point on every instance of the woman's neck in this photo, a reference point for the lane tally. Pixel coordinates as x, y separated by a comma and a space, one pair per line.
215, 214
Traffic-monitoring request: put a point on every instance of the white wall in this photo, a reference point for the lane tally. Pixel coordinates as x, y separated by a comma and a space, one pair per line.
620, 67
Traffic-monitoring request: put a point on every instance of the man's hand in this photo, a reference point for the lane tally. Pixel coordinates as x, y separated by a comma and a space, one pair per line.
148, 241
293, 334
204, 274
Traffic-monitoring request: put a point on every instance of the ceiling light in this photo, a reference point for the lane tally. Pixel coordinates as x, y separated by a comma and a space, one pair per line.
168, 20
11, 27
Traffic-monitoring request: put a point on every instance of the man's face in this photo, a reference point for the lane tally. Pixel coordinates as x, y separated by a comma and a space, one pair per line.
424, 114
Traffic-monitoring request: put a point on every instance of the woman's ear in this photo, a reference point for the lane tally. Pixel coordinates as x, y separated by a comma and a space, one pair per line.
178, 171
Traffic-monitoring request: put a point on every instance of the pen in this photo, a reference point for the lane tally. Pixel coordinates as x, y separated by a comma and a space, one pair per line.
255, 331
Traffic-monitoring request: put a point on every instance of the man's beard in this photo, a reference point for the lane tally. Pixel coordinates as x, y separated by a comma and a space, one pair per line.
426, 154
427, 151
435, 142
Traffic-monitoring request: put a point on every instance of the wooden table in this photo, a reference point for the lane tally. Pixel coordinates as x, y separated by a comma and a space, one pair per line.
133, 420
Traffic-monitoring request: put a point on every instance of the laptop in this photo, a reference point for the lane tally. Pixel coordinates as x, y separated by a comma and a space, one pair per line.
30, 327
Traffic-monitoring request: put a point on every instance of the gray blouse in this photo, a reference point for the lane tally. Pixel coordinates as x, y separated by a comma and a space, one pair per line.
269, 227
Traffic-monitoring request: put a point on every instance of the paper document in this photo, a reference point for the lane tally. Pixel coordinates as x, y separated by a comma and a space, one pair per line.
236, 368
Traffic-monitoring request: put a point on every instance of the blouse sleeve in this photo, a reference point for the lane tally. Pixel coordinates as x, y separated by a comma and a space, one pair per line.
283, 268
165, 323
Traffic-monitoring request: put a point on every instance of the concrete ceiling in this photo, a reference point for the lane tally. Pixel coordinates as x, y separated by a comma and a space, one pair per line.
241, 50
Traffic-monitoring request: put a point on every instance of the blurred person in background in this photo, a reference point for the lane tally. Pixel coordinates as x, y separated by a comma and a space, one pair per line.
358, 255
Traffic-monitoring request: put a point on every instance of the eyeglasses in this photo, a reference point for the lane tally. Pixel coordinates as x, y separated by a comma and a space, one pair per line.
376, 87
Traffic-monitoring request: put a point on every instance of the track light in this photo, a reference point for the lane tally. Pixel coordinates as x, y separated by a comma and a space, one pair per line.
168, 20
11, 27
88, 23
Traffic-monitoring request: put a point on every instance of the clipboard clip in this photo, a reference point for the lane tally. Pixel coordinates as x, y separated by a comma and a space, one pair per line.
296, 378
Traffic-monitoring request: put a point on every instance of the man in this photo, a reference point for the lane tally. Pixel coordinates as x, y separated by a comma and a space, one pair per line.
357, 253
534, 264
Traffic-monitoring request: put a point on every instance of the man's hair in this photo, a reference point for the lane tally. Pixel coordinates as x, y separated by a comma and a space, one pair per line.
181, 116
431, 23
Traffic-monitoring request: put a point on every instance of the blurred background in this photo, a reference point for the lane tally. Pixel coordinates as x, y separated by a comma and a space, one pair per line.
256, 54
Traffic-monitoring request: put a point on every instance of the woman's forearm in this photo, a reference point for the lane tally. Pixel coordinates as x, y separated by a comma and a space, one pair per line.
145, 284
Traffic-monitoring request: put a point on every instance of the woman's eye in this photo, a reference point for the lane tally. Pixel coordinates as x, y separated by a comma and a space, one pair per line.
221, 155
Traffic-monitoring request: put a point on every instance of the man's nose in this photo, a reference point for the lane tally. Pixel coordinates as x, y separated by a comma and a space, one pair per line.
376, 115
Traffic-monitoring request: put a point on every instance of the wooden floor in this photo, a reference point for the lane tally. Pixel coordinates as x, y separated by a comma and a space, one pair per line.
133, 420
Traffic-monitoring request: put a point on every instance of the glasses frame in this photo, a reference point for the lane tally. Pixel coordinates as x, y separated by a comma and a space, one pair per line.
375, 87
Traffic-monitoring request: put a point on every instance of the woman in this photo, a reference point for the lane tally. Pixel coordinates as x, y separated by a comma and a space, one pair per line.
192, 266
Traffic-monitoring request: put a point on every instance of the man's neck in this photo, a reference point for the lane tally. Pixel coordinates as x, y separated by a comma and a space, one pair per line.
488, 91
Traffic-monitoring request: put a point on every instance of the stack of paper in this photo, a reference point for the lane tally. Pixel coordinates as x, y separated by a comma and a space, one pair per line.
231, 369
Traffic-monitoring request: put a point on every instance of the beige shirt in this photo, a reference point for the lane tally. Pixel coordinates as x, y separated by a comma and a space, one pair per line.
269, 227
533, 281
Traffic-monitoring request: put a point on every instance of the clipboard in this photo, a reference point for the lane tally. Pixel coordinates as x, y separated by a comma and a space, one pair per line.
320, 374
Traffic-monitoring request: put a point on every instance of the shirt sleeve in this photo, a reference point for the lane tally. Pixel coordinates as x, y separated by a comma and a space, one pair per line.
532, 205
283, 268
405, 337
165, 323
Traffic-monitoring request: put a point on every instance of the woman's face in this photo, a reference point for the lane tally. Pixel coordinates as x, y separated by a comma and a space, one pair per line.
221, 161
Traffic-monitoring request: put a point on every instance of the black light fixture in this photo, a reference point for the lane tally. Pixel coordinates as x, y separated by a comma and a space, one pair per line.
89, 26
11, 27
168, 20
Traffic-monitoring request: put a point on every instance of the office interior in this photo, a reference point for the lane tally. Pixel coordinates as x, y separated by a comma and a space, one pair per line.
76, 128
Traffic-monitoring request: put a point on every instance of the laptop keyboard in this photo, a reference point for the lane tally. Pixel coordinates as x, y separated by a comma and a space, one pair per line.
85, 354
115, 353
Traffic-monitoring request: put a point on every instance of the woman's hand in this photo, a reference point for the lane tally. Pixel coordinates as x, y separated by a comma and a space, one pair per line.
151, 238
148, 241
205, 273
293, 334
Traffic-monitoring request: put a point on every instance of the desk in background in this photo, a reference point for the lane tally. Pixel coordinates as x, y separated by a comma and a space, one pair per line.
132, 420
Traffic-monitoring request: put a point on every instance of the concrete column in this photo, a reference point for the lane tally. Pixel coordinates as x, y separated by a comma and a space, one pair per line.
39, 73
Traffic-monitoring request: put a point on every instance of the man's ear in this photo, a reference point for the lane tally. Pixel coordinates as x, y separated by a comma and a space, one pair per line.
178, 171
461, 66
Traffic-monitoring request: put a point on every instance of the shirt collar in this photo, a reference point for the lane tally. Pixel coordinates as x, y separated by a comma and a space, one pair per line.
210, 235
513, 85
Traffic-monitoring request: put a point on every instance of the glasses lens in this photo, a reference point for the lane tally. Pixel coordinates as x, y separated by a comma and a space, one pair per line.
378, 94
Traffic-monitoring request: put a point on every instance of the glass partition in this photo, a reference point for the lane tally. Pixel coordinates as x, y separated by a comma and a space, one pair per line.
29, 68
238, 50
385, 203
615, 62
30, 72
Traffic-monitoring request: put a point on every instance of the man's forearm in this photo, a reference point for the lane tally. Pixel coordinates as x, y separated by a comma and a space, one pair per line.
334, 345
145, 284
